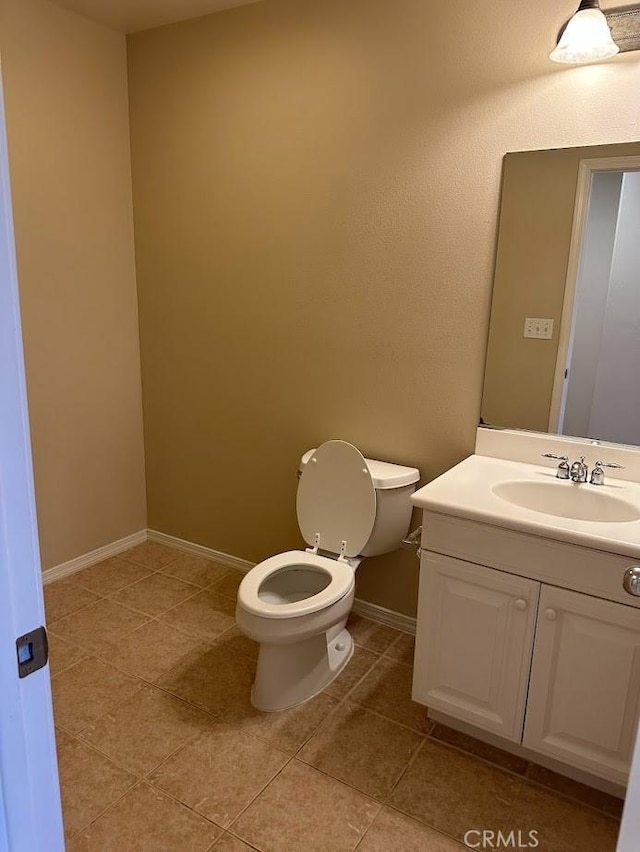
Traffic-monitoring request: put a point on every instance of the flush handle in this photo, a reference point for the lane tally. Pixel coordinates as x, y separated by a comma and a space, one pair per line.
631, 580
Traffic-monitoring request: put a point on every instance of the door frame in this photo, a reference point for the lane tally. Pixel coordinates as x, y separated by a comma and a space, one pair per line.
586, 170
30, 811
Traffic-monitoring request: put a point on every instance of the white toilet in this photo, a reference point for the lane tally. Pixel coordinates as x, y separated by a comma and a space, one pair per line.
296, 604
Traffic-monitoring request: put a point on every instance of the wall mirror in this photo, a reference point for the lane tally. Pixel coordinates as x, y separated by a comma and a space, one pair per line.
564, 338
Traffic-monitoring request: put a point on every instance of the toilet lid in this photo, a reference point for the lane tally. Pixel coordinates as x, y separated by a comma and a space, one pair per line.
336, 498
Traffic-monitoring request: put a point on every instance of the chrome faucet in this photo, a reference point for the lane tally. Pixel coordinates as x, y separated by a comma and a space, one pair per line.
576, 473
597, 474
579, 471
563, 468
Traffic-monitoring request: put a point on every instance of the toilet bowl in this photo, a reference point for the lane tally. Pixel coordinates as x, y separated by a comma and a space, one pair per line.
296, 604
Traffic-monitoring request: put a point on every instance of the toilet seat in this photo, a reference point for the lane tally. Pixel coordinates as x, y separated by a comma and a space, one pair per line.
341, 582
336, 499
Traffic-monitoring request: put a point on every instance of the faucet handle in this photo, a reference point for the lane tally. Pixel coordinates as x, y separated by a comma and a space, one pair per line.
597, 474
563, 468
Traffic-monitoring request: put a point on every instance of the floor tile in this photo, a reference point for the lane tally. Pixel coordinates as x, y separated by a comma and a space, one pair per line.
86, 690
562, 825
369, 634
98, 624
240, 766
233, 641
387, 690
211, 679
402, 649
611, 805
229, 584
155, 594
365, 750
62, 653
64, 597
394, 831
89, 783
206, 615
149, 650
152, 555
487, 752
145, 729
302, 806
113, 574
196, 570
287, 730
454, 792
358, 666
145, 820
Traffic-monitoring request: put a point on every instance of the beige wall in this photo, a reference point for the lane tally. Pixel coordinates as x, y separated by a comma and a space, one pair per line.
67, 117
536, 217
316, 190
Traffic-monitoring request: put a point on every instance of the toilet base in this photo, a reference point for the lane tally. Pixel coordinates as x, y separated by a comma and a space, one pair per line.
288, 675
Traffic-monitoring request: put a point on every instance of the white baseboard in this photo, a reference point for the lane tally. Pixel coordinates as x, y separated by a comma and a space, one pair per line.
93, 557
382, 615
368, 610
364, 608
201, 550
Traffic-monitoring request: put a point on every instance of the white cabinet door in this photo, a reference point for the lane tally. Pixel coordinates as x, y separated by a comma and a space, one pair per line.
474, 643
585, 683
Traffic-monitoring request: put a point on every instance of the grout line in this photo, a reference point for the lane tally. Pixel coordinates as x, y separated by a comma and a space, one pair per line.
410, 763
433, 828
378, 800
567, 797
237, 837
262, 790
80, 831
151, 616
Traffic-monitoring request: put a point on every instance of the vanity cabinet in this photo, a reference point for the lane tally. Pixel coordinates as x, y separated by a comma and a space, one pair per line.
551, 670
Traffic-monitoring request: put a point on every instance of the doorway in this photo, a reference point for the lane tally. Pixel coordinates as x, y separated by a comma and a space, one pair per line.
597, 382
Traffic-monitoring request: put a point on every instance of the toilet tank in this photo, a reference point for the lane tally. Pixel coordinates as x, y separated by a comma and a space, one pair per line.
394, 486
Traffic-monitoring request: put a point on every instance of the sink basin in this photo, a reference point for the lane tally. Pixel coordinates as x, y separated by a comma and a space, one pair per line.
567, 500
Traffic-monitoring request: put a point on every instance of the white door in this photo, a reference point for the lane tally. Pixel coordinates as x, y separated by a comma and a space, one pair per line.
30, 815
474, 643
585, 683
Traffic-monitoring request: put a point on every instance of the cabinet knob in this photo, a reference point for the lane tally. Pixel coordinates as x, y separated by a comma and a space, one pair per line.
521, 604
631, 580
550, 614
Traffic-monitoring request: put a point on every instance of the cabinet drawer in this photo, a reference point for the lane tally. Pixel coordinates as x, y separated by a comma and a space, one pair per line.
593, 572
474, 642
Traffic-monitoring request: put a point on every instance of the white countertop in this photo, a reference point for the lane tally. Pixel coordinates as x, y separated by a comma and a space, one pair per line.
465, 491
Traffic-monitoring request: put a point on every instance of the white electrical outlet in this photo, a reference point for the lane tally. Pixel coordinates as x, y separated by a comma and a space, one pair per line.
540, 328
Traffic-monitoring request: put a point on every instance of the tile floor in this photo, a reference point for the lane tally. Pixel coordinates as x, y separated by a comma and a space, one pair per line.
159, 748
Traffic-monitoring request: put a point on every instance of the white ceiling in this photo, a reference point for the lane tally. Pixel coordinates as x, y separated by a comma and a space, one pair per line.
128, 16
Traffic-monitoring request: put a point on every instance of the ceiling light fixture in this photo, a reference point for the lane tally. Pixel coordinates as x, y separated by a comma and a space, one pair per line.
592, 35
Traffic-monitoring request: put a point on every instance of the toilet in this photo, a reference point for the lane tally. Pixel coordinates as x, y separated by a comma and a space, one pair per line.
296, 604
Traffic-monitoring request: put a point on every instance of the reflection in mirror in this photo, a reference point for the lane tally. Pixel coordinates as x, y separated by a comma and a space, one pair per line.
564, 339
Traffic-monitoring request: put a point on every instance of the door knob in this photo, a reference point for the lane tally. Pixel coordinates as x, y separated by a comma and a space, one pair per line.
631, 580
521, 604
550, 614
